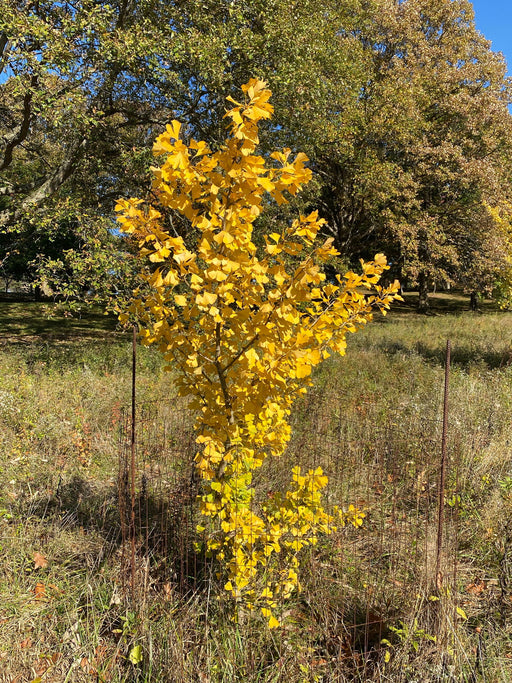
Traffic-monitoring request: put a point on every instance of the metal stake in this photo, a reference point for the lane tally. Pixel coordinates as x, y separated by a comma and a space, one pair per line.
132, 467
442, 478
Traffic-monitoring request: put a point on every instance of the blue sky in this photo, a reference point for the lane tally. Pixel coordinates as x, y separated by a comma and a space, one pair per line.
493, 18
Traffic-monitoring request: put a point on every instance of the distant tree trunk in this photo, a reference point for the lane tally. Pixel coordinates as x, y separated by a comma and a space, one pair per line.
423, 293
473, 301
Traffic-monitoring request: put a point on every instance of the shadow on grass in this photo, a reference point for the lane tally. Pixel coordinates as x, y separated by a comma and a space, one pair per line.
26, 321
461, 356
165, 529
442, 303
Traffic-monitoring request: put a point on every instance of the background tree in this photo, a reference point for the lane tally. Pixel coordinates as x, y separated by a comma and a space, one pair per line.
89, 84
401, 107
431, 146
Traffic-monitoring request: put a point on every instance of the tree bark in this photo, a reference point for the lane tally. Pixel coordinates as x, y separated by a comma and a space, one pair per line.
4, 50
423, 305
19, 135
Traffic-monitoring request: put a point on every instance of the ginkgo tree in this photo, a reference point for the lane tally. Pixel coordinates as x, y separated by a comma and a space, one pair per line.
243, 326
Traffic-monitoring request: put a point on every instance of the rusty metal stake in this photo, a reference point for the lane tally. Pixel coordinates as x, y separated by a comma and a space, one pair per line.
132, 465
442, 477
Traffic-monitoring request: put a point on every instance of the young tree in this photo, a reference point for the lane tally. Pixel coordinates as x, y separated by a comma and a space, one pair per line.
243, 327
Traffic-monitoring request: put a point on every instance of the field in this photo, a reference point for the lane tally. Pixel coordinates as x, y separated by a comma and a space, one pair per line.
373, 605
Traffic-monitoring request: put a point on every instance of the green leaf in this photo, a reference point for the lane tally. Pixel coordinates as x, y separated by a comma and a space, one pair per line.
135, 655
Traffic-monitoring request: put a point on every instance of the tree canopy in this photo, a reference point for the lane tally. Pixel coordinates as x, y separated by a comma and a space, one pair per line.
401, 107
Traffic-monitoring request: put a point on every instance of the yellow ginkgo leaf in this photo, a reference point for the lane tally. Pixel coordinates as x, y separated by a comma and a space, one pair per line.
273, 622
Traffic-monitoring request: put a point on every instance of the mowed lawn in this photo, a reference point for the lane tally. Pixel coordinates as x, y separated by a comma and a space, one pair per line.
27, 321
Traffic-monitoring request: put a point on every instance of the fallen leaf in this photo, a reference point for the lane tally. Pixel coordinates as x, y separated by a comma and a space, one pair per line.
72, 635
318, 662
476, 588
40, 561
100, 654
26, 643
40, 591
135, 655
461, 613
86, 666
41, 668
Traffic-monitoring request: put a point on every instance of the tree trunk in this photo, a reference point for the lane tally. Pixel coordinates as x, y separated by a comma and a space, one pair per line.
422, 293
473, 301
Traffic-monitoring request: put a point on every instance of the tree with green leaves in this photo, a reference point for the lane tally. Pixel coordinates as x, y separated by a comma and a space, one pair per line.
401, 107
86, 86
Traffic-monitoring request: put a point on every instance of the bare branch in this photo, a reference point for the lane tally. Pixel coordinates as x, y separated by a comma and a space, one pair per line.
19, 135
5, 44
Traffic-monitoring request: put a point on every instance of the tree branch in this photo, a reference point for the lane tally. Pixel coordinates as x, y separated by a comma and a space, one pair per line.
126, 8
241, 352
60, 175
220, 373
5, 44
21, 132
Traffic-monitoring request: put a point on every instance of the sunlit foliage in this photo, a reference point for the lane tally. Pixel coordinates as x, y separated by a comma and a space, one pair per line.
244, 326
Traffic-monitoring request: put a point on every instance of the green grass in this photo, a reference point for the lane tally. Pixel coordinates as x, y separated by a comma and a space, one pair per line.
25, 321
372, 420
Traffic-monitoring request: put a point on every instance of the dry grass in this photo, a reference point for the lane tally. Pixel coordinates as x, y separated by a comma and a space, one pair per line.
366, 611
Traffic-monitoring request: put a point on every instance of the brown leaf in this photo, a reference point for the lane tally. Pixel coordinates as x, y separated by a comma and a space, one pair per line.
26, 643
40, 561
100, 654
42, 667
86, 666
40, 591
477, 587
318, 662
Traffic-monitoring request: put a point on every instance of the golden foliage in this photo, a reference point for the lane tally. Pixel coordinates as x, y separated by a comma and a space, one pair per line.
244, 329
